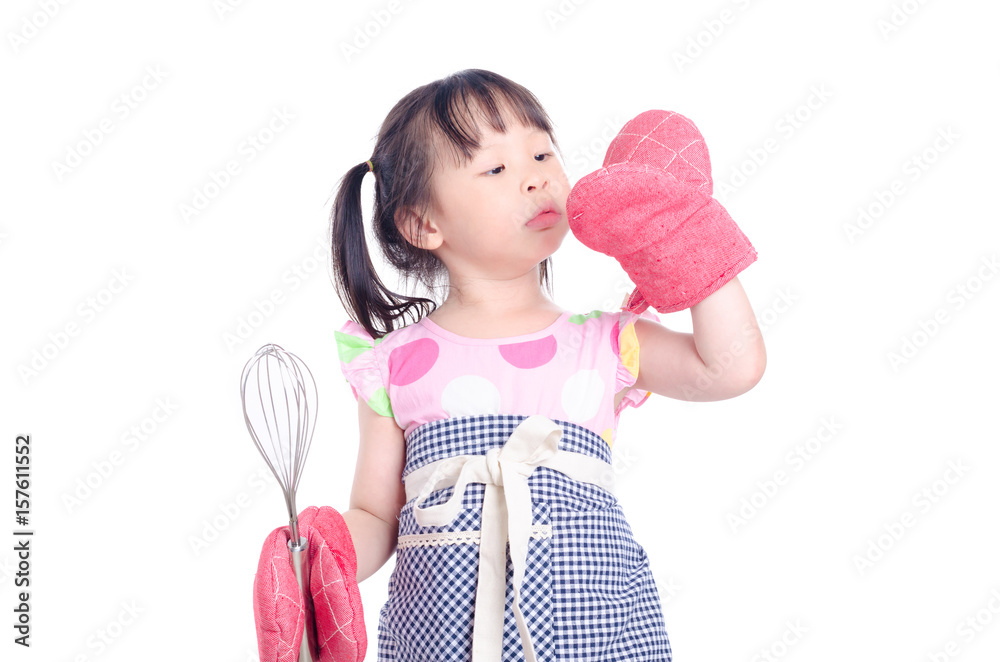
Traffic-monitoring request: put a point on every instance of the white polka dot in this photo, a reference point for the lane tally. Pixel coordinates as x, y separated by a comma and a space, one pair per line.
582, 394
470, 394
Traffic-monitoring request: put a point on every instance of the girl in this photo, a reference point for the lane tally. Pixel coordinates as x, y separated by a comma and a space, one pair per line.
490, 417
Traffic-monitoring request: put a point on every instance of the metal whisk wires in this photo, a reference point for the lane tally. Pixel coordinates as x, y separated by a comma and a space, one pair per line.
280, 414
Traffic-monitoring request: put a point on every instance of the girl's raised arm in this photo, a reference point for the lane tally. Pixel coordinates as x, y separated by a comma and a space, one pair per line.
723, 358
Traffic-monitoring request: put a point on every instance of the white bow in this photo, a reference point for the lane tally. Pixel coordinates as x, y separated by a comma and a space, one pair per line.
506, 508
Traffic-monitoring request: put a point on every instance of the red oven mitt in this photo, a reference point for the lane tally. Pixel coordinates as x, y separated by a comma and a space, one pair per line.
277, 605
651, 207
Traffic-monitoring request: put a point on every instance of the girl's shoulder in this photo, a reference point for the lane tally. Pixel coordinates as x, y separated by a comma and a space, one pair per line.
618, 320
363, 362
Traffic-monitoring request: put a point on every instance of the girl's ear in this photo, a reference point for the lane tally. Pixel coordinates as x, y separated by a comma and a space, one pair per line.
420, 232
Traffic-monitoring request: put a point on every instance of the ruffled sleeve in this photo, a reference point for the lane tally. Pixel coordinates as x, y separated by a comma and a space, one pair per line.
361, 365
625, 345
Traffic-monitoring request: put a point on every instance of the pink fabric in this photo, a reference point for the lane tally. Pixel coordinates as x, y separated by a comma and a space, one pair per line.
570, 371
338, 615
277, 603
650, 207
667, 141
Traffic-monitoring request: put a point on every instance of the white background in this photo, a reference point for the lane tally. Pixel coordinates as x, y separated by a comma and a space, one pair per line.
847, 105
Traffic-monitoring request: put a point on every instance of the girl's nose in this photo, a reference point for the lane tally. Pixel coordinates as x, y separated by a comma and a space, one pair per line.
534, 179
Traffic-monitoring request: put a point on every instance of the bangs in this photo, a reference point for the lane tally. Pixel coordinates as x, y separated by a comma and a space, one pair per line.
467, 99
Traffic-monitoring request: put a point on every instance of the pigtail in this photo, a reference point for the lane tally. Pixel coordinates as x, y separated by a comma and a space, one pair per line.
369, 302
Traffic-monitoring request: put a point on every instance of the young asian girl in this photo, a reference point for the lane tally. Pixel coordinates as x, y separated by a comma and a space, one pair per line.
487, 421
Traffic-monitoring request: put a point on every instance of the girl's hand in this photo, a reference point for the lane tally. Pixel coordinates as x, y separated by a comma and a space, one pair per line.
337, 615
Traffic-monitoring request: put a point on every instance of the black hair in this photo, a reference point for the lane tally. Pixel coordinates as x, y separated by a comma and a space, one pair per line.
403, 161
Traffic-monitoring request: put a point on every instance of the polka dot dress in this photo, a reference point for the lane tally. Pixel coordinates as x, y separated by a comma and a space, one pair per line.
571, 370
588, 593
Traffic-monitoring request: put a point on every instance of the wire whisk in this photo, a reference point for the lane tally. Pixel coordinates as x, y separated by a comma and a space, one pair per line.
279, 406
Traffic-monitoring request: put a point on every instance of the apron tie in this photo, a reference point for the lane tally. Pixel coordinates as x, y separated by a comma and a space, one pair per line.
506, 515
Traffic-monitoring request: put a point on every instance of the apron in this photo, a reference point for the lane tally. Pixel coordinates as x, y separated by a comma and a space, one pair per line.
512, 547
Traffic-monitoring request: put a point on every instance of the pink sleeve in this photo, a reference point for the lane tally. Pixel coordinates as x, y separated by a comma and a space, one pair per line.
360, 361
625, 345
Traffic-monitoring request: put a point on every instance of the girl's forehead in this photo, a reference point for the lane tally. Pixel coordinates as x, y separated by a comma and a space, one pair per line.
493, 138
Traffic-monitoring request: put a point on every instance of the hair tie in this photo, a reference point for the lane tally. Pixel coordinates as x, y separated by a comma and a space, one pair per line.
371, 168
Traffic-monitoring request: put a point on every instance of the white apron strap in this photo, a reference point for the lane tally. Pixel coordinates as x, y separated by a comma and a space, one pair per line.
506, 516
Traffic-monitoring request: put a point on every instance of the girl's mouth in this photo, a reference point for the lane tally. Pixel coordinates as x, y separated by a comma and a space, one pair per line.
545, 218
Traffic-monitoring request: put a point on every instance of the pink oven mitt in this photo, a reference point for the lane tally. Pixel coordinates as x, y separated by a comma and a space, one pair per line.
651, 207
278, 611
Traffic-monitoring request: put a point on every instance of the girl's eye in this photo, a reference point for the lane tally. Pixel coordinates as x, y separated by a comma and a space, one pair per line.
500, 168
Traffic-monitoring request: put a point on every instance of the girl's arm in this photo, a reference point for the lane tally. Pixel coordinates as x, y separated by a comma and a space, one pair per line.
377, 494
723, 358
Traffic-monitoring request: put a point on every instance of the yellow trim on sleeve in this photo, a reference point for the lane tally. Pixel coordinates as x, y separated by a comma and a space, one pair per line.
628, 349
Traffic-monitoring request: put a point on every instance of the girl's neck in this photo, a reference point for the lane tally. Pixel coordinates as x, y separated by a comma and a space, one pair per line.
492, 321
481, 306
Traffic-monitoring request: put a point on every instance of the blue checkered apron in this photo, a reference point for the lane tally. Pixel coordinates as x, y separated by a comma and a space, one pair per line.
587, 592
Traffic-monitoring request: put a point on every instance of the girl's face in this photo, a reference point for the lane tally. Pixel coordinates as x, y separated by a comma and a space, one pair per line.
479, 210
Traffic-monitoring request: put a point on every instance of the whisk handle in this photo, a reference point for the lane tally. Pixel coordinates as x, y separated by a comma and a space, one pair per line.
299, 554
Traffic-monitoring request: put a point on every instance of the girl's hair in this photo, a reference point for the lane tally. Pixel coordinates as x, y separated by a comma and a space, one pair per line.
403, 162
